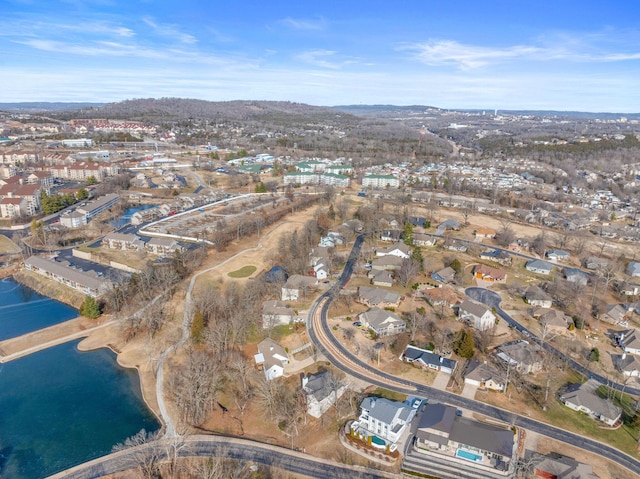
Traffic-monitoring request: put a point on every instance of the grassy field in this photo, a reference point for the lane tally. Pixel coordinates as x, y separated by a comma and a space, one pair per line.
243, 272
7, 246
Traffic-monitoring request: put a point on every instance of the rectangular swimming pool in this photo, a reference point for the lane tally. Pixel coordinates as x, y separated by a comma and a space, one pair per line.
469, 456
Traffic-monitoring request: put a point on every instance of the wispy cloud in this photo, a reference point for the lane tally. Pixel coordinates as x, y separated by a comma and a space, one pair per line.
304, 23
468, 57
325, 59
169, 31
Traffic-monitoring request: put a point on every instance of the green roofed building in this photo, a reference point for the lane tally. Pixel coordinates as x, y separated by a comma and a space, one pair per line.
381, 181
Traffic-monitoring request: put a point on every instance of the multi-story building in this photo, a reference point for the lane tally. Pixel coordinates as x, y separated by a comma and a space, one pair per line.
381, 181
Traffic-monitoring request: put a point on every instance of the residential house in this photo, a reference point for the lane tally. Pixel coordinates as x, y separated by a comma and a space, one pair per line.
445, 275
489, 274
629, 341
276, 313
320, 270
428, 360
627, 364
584, 398
376, 297
272, 357
443, 296
476, 314
453, 245
418, 221
162, 246
383, 418
556, 466
450, 224
382, 278
497, 256
297, 286
387, 263
630, 289
484, 233
574, 275
391, 235
524, 357
421, 239
593, 262
535, 296
615, 314
382, 322
556, 255
441, 430
87, 282
633, 269
484, 376
552, 321
322, 391
400, 250
538, 266
122, 241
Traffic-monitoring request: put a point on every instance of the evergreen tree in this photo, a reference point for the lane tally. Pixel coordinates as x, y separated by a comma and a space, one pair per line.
82, 194
407, 235
464, 345
261, 188
90, 308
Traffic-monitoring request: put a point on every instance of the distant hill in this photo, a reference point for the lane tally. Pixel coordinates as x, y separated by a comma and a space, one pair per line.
368, 110
44, 106
184, 108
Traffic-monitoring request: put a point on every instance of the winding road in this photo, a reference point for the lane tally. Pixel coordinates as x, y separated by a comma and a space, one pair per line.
343, 359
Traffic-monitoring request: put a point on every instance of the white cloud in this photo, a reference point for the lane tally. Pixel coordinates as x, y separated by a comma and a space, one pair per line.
578, 49
170, 31
304, 24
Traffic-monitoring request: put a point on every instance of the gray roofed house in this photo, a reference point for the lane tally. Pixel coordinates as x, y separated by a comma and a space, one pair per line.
615, 314
563, 467
552, 320
577, 276
484, 376
381, 298
387, 263
497, 255
633, 268
445, 275
629, 341
593, 262
538, 266
273, 358
478, 315
296, 286
87, 282
525, 357
441, 430
382, 322
384, 418
398, 249
584, 398
322, 392
428, 359
535, 296
558, 255
381, 278
627, 364
276, 313
420, 239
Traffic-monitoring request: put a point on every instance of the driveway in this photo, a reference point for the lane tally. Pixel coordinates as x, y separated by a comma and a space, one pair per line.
469, 391
441, 381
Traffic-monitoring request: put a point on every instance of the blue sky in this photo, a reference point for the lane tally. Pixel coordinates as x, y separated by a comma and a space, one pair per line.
517, 54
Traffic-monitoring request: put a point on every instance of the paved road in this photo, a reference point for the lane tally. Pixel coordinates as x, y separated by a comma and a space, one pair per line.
336, 353
224, 447
493, 299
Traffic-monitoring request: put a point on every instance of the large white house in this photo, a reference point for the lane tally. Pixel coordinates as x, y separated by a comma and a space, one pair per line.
381, 181
383, 418
322, 392
272, 357
382, 322
478, 315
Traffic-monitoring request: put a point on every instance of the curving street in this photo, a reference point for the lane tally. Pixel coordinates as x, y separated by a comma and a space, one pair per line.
221, 447
343, 359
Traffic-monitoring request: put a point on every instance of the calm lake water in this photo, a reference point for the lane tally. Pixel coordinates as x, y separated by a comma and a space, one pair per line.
128, 213
61, 407
22, 310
